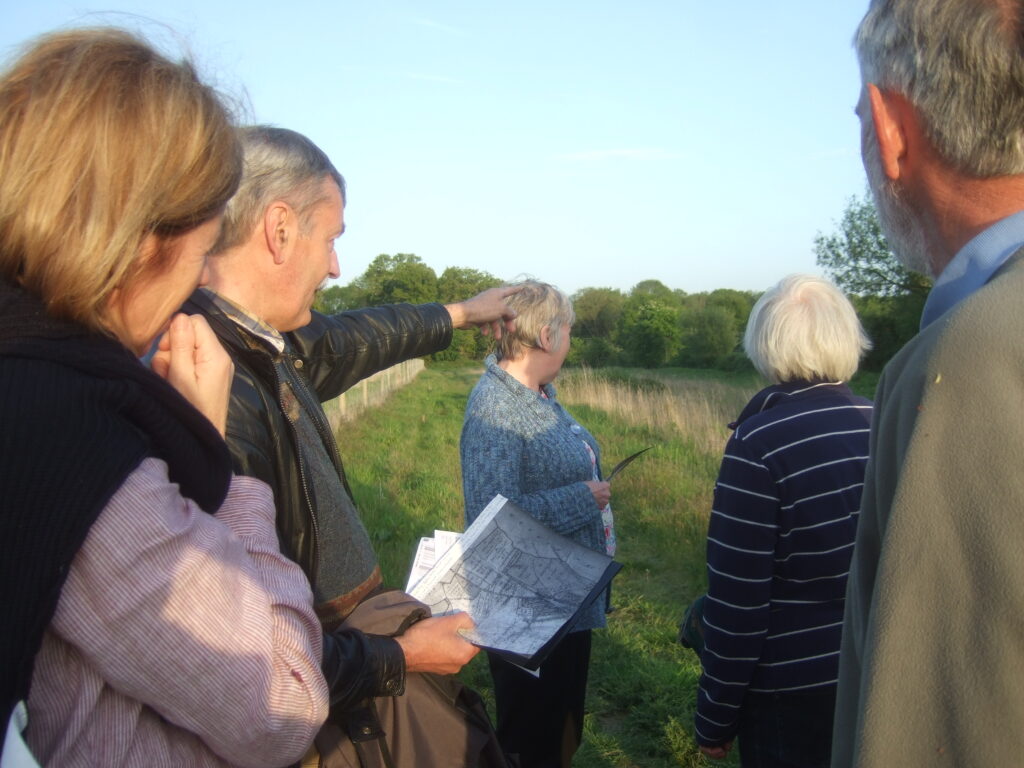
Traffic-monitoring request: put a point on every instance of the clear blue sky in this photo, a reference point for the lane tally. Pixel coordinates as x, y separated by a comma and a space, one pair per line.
586, 143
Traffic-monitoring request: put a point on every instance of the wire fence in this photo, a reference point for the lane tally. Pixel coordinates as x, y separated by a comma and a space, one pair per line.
371, 391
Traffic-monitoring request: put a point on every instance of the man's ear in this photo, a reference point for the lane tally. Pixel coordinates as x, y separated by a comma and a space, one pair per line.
278, 229
889, 114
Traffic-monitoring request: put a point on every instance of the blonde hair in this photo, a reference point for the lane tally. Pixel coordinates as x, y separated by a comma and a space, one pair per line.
804, 329
536, 305
103, 141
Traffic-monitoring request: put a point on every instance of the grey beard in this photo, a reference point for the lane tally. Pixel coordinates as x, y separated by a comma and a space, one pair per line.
897, 220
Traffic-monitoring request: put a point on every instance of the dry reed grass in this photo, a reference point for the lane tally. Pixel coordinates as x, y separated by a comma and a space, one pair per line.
696, 410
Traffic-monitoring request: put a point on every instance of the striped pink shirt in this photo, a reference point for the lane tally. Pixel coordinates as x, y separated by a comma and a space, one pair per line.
180, 638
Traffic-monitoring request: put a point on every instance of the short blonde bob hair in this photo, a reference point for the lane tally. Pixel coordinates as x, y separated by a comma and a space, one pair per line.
104, 141
536, 305
804, 329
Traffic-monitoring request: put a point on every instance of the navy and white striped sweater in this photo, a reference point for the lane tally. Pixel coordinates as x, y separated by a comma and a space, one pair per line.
779, 543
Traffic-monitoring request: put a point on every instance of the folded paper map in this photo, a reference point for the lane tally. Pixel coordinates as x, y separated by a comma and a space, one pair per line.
522, 583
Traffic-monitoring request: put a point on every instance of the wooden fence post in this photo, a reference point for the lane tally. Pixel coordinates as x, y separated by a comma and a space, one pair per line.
348, 405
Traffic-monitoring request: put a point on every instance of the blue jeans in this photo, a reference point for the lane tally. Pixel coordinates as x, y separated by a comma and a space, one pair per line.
787, 730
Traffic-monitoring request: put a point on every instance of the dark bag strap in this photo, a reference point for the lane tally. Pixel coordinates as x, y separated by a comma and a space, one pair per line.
367, 736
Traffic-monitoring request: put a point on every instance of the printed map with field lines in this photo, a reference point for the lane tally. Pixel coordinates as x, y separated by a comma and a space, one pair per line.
520, 581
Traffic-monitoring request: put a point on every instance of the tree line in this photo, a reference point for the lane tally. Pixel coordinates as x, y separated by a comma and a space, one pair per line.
652, 325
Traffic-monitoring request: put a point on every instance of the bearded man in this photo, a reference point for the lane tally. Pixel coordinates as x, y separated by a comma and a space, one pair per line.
933, 639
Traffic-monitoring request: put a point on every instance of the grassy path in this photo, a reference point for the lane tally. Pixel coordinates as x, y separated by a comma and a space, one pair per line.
403, 465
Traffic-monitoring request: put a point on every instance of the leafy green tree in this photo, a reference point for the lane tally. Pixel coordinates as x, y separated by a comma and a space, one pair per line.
889, 321
456, 284
859, 260
888, 297
709, 336
649, 331
736, 303
598, 352
338, 298
460, 283
597, 312
655, 289
574, 356
399, 278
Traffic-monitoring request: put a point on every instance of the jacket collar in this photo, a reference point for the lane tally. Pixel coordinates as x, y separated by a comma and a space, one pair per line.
231, 333
244, 319
777, 394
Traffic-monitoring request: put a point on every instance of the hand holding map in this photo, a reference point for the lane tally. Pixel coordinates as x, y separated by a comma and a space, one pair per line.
522, 583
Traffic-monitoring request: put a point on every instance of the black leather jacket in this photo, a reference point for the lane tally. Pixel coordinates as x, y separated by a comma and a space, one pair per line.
331, 354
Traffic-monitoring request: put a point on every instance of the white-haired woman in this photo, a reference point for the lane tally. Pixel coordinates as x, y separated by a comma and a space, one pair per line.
781, 533
518, 441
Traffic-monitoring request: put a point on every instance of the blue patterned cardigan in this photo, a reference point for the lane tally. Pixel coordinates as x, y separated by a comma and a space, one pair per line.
530, 450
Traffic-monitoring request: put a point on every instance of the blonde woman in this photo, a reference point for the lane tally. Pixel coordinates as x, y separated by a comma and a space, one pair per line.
148, 617
518, 441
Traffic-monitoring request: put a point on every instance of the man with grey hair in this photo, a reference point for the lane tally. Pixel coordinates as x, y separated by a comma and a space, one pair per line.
933, 637
276, 249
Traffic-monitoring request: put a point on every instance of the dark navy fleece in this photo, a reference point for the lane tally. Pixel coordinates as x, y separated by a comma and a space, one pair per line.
779, 543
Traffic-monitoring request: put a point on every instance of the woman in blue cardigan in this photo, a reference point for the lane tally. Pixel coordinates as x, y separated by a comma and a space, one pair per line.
518, 441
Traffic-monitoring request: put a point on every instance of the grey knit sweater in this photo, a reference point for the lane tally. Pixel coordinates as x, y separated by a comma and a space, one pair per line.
530, 450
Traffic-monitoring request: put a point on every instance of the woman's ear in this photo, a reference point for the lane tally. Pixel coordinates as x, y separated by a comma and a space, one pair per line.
149, 248
545, 338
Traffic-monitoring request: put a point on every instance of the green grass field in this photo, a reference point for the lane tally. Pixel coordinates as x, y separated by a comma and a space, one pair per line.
402, 461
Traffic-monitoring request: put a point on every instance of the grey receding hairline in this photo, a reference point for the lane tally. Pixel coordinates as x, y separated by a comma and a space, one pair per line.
960, 63
279, 164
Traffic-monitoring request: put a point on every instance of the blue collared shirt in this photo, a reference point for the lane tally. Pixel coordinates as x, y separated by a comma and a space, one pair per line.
974, 265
